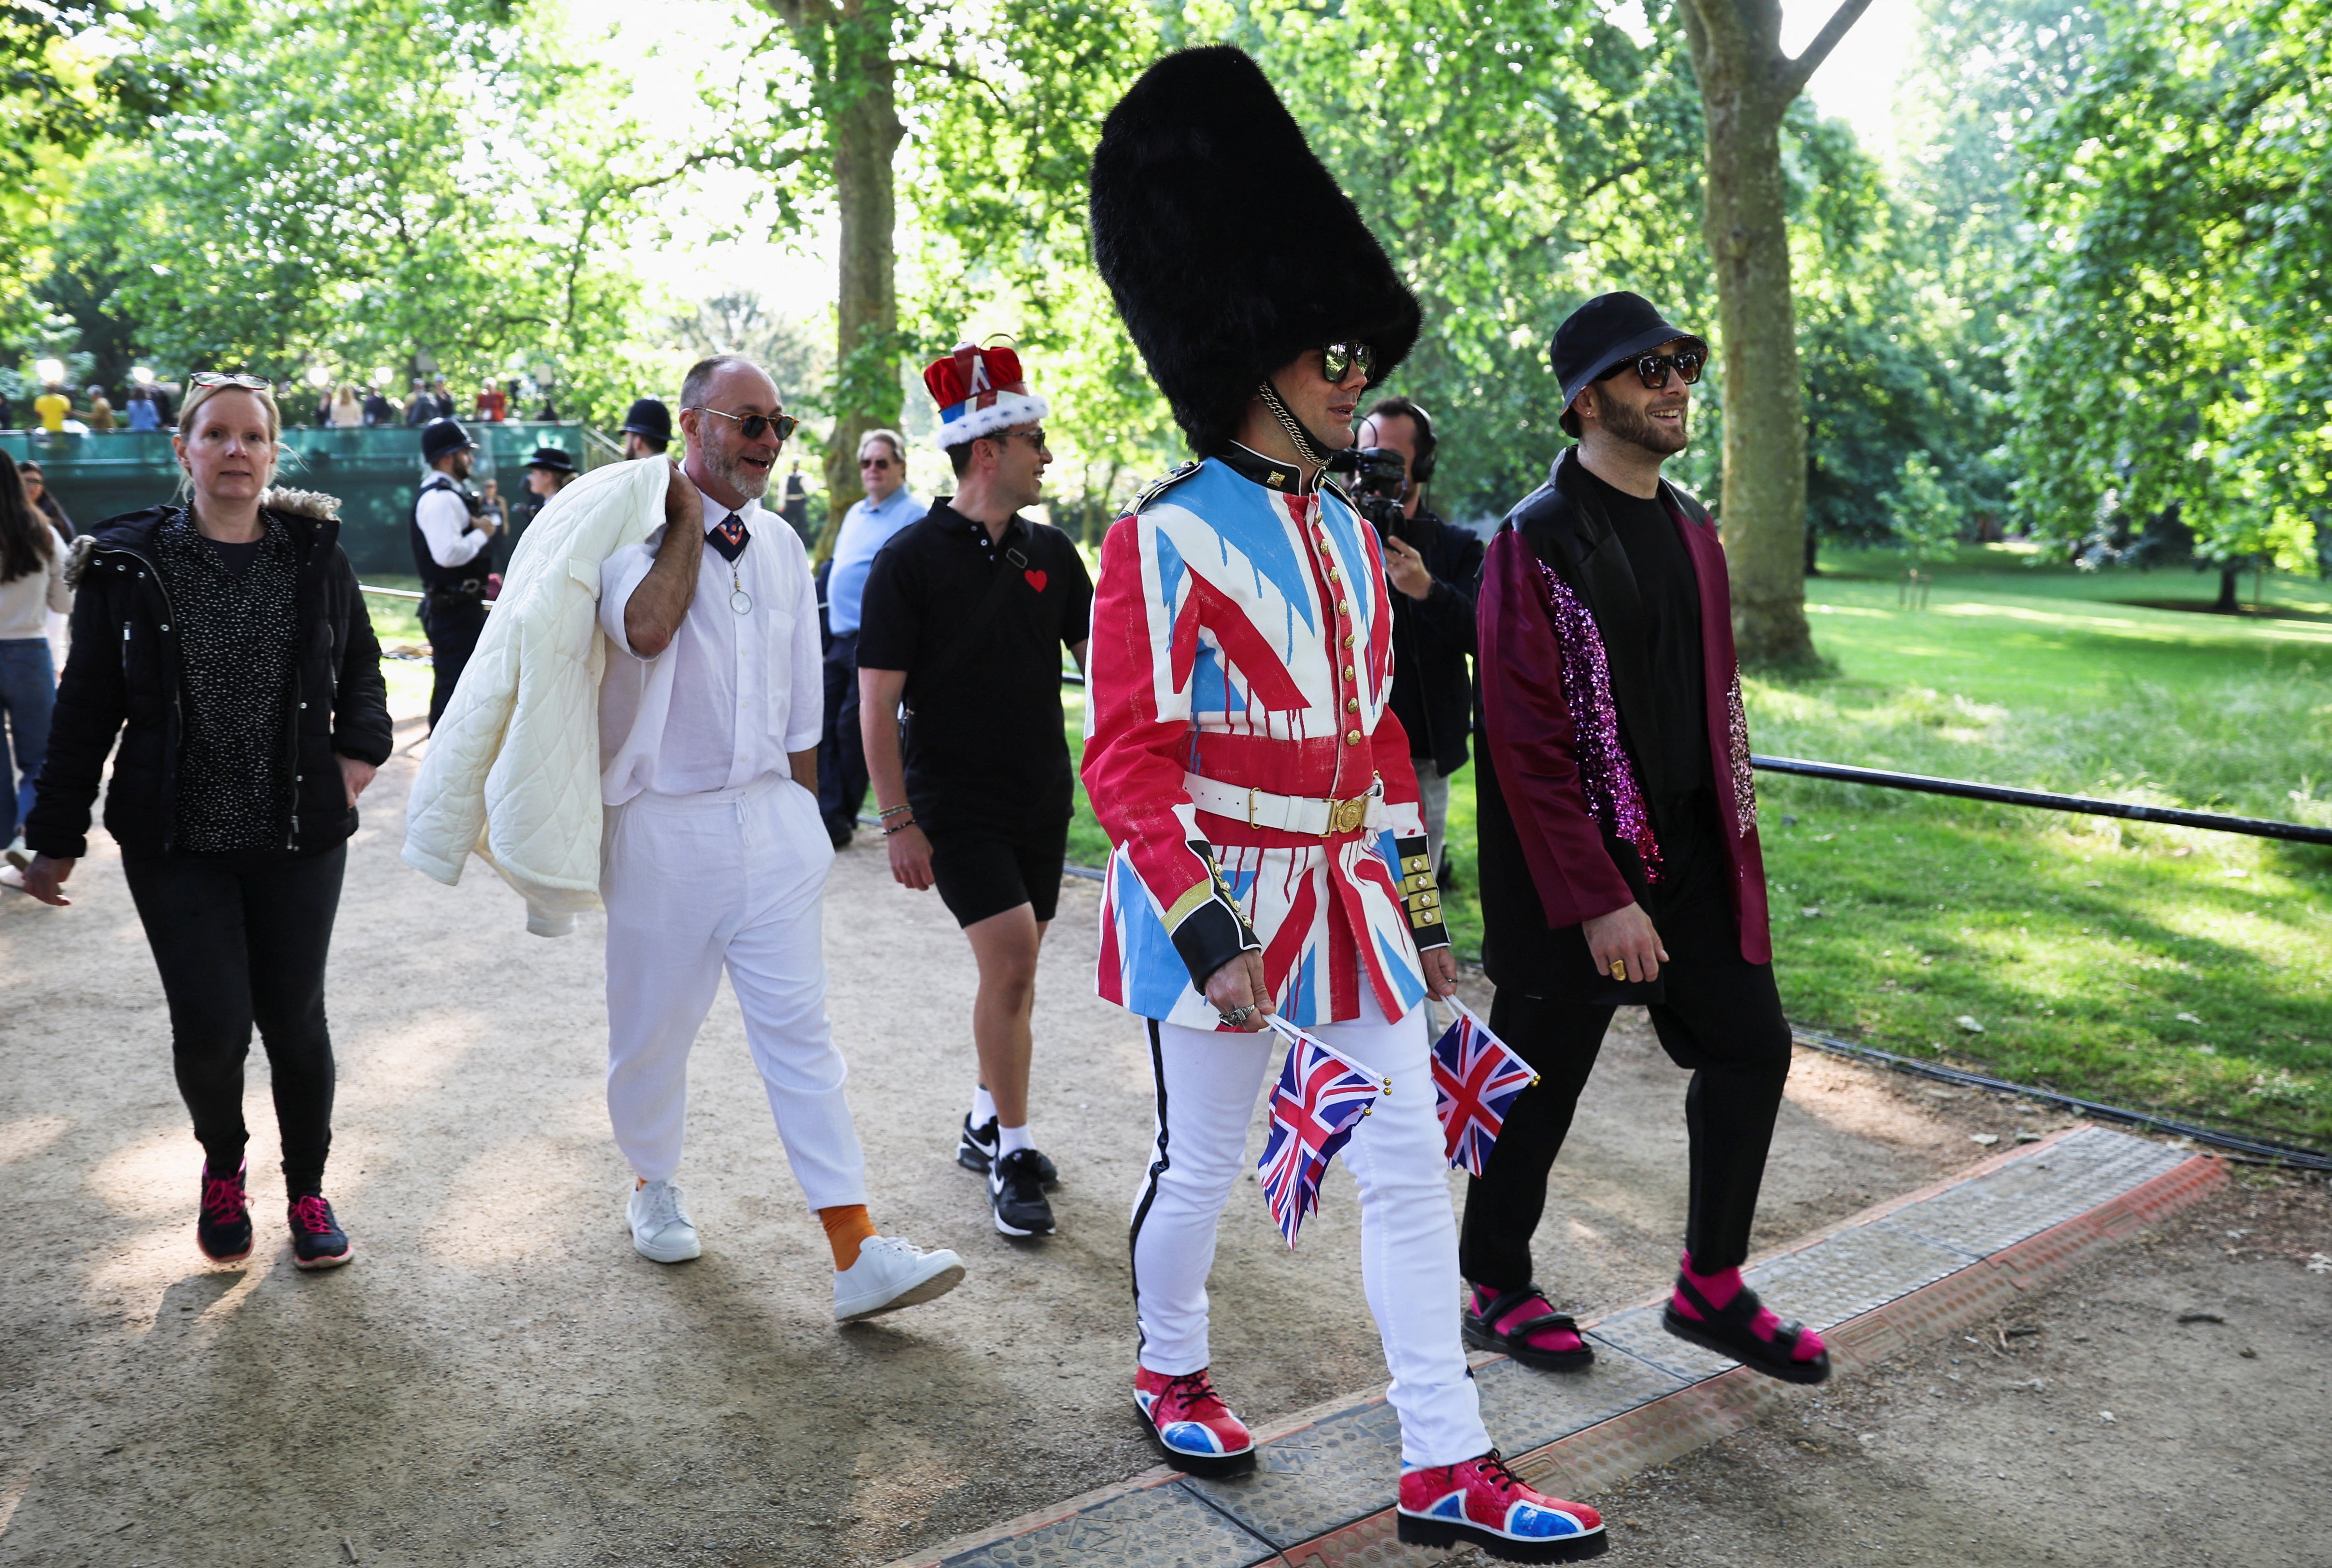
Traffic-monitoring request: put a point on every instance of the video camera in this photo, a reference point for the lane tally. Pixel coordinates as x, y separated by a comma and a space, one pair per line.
1378, 478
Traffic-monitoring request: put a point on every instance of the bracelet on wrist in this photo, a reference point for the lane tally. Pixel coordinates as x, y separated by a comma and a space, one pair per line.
893, 811
888, 829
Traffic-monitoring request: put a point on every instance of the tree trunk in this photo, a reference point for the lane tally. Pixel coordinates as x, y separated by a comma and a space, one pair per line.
1746, 83
2229, 604
849, 42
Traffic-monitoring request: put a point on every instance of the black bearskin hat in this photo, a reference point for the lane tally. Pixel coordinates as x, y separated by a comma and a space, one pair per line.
1228, 246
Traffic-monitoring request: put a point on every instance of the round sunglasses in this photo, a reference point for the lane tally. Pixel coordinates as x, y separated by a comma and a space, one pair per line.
753, 427
1652, 370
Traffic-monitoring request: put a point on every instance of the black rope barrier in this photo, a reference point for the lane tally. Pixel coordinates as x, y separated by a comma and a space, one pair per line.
2046, 801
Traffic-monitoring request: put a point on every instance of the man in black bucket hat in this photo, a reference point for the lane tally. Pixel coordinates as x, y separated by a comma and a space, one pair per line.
1620, 860
452, 532
647, 429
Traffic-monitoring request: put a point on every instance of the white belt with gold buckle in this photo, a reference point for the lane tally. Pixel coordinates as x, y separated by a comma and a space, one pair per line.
1288, 813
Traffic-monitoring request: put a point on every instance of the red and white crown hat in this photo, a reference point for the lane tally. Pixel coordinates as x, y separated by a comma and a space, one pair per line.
980, 391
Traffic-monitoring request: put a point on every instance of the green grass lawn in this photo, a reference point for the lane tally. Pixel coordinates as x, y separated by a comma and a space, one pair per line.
2168, 968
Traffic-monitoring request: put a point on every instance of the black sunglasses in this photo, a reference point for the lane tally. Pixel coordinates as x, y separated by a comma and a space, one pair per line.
1337, 360
753, 427
1652, 370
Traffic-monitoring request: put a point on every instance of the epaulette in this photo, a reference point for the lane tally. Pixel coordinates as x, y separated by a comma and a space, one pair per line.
1141, 502
301, 503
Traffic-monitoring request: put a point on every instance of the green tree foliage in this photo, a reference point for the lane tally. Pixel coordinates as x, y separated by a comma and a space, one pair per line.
1921, 512
2174, 351
348, 186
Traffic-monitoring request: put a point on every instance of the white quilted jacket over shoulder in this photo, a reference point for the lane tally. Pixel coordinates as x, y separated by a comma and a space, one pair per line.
512, 771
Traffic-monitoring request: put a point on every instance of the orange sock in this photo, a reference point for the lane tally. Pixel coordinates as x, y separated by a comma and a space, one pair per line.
846, 1229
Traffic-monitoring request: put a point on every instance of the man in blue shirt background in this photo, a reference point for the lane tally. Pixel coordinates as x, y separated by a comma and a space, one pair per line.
889, 507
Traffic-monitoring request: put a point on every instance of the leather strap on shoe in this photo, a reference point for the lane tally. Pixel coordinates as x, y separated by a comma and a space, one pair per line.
1521, 1332
1736, 1317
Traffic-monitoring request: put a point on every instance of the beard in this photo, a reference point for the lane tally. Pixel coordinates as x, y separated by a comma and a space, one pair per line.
1638, 428
750, 483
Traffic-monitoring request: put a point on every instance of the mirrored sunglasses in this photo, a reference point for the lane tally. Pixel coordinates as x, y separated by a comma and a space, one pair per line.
1337, 360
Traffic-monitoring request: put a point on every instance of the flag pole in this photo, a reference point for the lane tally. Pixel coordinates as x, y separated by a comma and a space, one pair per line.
1292, 1033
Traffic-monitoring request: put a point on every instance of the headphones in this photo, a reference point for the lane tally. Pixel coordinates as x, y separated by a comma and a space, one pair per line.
1421, 470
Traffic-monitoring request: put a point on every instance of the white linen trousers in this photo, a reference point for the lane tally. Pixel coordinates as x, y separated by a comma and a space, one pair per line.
1207, 1082
734, 879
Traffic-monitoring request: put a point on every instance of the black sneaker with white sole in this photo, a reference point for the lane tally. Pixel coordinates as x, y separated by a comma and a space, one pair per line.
1017, 1193
975, 1150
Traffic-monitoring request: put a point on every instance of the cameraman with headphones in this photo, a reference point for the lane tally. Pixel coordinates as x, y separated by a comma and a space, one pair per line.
1432, 567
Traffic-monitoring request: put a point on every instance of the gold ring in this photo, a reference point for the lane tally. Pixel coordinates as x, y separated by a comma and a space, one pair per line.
1619, 968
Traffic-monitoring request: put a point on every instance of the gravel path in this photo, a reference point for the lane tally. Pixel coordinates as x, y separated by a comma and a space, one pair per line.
499, 1378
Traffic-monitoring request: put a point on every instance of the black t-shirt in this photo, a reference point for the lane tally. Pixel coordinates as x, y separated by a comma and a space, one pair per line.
1670, 589
984, 741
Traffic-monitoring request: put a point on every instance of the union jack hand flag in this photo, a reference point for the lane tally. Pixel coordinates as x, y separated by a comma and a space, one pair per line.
1475, 1079
1318, 1103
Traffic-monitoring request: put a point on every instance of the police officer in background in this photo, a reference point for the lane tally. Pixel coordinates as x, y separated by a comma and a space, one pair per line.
647, 430
452, 533
1432, 567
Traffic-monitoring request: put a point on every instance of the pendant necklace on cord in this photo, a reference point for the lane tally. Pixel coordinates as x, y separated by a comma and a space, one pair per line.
739, 599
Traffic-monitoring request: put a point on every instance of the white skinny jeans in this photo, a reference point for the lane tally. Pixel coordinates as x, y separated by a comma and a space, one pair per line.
695, 882
1207, 1083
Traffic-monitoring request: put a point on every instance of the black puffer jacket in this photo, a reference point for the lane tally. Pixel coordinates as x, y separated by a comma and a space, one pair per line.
123, 678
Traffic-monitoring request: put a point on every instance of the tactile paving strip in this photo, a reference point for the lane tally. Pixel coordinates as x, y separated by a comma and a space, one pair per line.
1903, 1272
2069, 1176
1638, 1333
1309, 1482
1525, 1409
1846, 1275
1164, 1527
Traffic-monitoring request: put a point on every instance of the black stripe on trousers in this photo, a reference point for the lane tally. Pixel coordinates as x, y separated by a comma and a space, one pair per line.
1149, 1193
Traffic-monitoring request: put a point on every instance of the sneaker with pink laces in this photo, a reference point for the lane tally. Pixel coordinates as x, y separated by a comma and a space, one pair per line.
222, 1225
1481, 1503
317, 1239
1191, 1425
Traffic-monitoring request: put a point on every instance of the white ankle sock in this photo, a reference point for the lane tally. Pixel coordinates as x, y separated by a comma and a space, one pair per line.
983, 1105
1011, 1140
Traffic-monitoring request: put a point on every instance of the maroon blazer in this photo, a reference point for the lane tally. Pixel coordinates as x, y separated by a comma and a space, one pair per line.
1548, 863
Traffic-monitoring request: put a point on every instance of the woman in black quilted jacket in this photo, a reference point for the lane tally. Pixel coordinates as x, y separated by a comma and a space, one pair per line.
225, 642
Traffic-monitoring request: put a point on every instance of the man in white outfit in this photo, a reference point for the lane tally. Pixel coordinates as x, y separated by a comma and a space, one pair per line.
713, 855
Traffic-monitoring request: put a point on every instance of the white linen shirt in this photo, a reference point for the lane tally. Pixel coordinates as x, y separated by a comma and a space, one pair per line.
444, 519
746, 689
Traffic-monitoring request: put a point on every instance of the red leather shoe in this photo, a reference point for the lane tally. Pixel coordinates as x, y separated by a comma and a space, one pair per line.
1191, 1425
1480, 1503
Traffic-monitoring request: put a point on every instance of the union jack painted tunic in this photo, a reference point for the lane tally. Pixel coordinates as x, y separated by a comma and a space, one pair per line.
1241, 633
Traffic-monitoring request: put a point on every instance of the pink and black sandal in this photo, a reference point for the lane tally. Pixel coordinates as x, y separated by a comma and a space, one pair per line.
1545, 1339
1743, 1329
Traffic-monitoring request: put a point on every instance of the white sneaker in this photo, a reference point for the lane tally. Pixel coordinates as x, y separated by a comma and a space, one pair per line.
12, 878
661, 1230
893, 1272
17, 855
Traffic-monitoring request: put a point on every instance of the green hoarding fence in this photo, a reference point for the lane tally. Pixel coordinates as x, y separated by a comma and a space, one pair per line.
373, 471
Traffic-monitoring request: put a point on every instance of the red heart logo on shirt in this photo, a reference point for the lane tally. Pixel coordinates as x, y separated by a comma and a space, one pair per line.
1037, 579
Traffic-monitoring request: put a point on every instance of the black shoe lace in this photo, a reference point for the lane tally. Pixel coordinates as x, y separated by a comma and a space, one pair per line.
1493, 1467
1189, 1388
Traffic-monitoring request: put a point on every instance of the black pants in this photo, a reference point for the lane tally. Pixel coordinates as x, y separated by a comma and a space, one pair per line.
241, 939
452, 624
841, 749
1721, 1022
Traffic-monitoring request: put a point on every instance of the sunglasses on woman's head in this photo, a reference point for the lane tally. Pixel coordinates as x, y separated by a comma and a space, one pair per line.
753, 427
1337, 360
1652, 370
207, 379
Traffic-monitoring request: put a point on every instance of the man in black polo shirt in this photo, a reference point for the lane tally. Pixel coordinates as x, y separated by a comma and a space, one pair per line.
964, 617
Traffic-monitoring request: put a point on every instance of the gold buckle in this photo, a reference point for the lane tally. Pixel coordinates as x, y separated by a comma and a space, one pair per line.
1343, 816
1250, 807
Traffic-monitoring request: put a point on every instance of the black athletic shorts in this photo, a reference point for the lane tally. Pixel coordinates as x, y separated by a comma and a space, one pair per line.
980, 872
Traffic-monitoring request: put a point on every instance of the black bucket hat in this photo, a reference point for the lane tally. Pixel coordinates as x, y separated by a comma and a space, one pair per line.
1608, 329
651, 419
440, 436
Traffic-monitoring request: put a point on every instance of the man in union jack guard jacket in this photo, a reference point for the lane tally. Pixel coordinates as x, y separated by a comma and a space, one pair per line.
1242, 754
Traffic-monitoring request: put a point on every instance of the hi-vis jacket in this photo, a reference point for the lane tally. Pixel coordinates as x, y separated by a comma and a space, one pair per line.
1241, 753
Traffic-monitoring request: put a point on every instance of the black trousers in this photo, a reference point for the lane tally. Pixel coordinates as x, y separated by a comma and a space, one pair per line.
841, 749
241, 940
1721, 1022
452, 624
